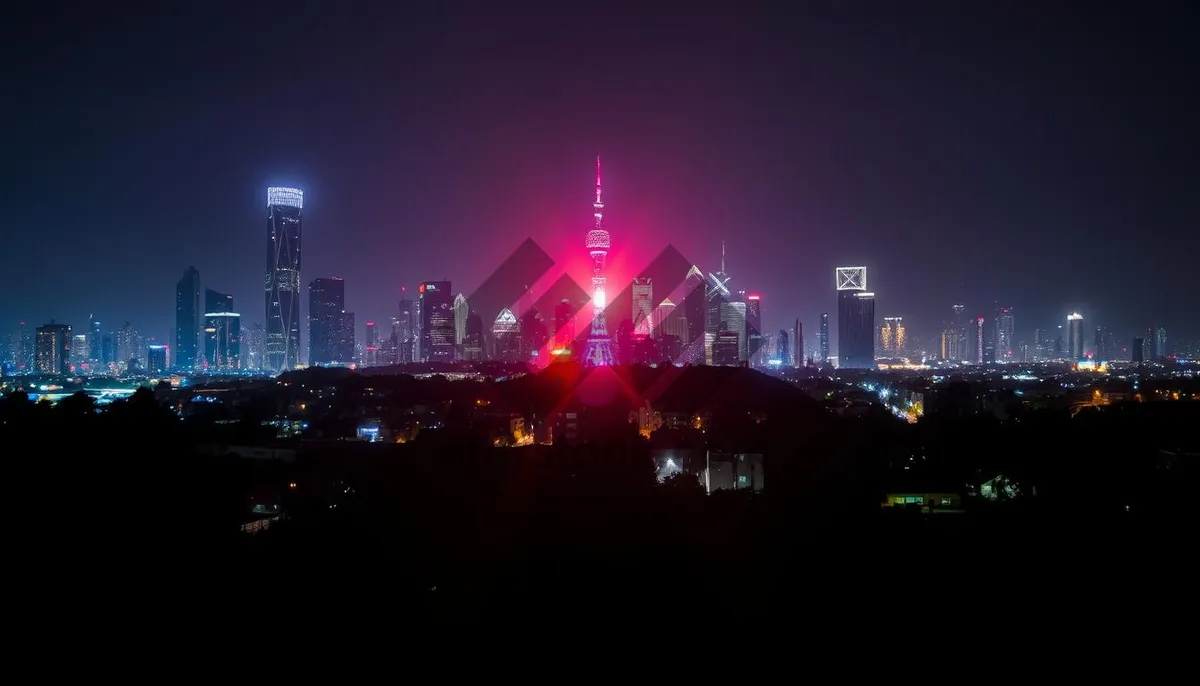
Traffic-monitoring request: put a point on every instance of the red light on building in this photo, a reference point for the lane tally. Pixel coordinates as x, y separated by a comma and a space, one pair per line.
421, 288
370, 323
754, 296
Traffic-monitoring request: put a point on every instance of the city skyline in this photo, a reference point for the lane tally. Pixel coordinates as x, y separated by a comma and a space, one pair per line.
1009, 194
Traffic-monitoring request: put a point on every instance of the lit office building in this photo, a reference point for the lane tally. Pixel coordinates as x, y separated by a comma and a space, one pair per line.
435, 315
284, 207
1075, 336
856, 319
52, 351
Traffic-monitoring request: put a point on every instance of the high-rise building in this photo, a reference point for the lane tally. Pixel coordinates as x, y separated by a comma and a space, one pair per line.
94, 336
284, 207
1075, 336
783, 350
506, 337
823, 338
473, 342
599, 343
694, 312
254, 346
326, 305
893, 339
1043, 346
726, 351
1137, 354
959, 326
716, 293
797, 338
222, 332
25, 349
949, 345
1160, 343
53, 349
435, 314
754, 332
370, 345
187, 319
404, 332
344, 346
108, 351
79, 350
156, 358
129, 350
643, 307
1101, 345
980, 342
564, 327
668, 322
733, 318
461, 310
1005, 347
856, 319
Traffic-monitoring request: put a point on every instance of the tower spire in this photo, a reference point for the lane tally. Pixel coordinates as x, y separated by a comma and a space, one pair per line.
722, 256
599, 204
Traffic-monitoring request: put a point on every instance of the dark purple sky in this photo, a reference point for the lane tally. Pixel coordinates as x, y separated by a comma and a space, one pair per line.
1045, 159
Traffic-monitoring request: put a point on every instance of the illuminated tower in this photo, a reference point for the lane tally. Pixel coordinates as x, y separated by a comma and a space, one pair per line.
599, 345
283, 278
856, 319
1004, 334
1075, 336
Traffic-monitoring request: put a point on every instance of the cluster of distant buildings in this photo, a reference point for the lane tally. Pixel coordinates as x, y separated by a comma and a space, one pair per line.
703, 322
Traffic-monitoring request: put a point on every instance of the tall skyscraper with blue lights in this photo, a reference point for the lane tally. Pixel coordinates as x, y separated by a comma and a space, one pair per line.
187, 321
284, 206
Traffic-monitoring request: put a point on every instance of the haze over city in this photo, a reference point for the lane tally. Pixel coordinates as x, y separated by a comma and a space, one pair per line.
1046, 166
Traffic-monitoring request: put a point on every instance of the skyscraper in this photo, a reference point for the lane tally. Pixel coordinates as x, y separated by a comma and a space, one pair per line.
283, 278
892, 337
733, 320
977, 349
326, 305
643, 307
754, 333
856, 319
435, 308
222, 332
94, 335
564, 327
156, 358
823, 338
695, 310
1004, 334
461, 310
187, 320
344, 347
599, 343
52, 353
404, 332
1075, 336
959, 326
370, 345
798, 344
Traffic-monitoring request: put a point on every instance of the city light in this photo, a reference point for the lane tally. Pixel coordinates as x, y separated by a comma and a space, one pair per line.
285, 197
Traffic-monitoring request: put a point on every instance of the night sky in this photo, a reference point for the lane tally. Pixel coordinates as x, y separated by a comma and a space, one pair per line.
1044, 159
